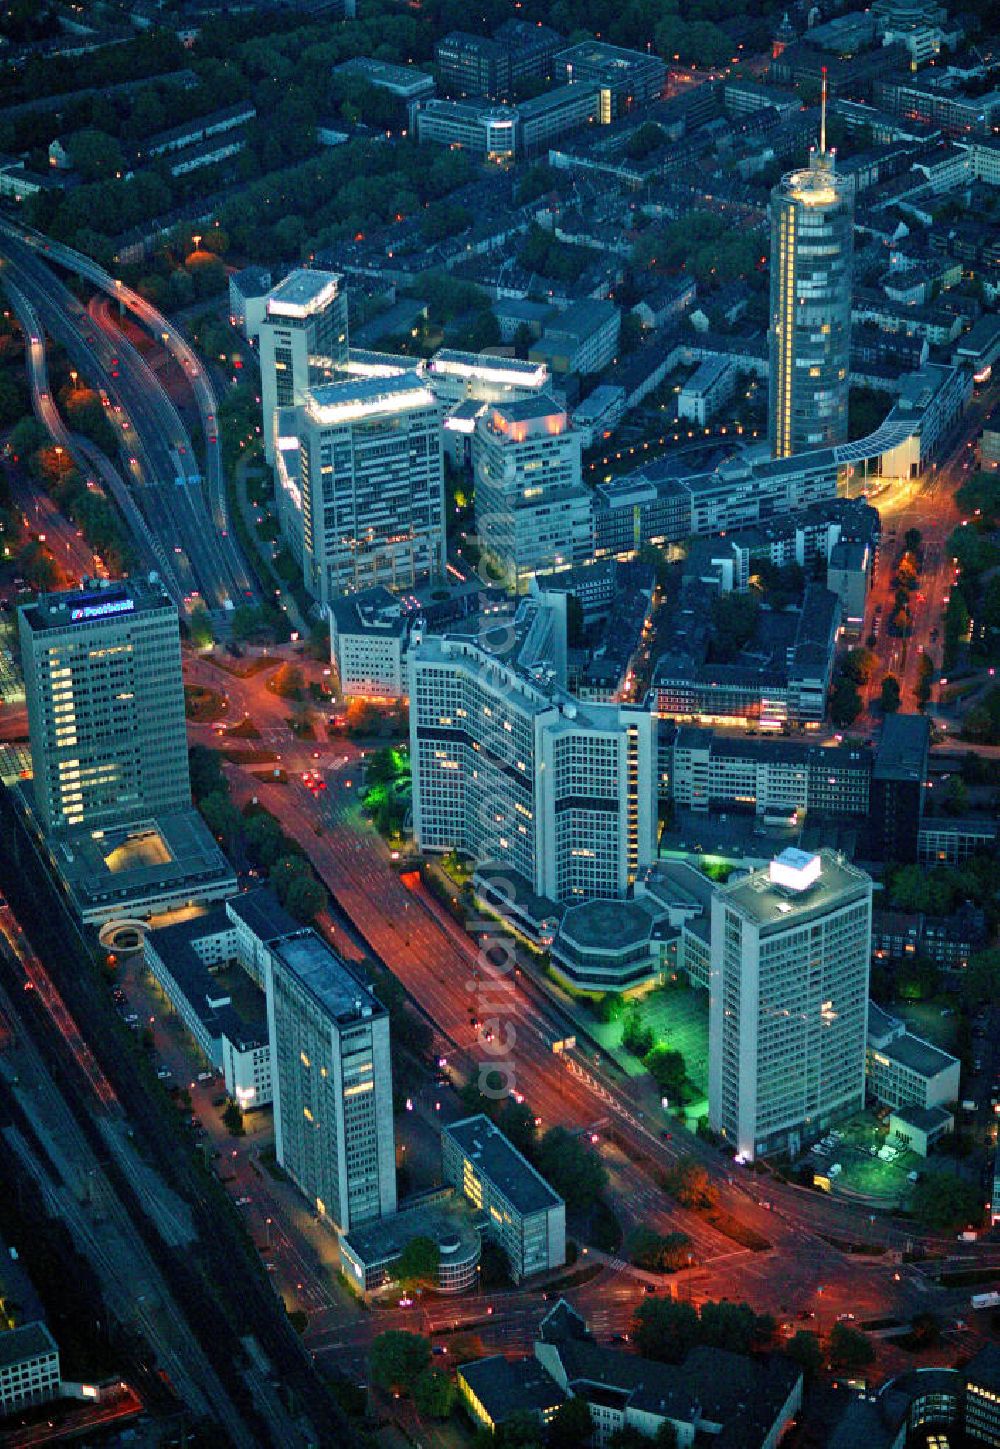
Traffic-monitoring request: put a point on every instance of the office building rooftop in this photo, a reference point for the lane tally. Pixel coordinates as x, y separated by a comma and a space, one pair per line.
326, 978
303, 293
499, 1160
902, 748
796, 883
340, 402
94, 604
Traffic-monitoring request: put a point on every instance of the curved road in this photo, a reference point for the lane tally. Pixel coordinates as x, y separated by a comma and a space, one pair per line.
163, 331
88, 457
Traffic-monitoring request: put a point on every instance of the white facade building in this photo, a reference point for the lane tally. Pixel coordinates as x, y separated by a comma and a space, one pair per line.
29, 1367
707, 390
332, 1071
533, 512
368, 638
791, 953
522, 1212
512, 770
305, 320
365, 503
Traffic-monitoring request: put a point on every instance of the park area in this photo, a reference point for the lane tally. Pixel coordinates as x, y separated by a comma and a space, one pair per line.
670, 1019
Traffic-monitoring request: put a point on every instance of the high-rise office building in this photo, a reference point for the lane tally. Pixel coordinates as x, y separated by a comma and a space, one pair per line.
812, 246
511, 769
303, 337
533, 512
332, 1081
362, 502
788, 985
102, 672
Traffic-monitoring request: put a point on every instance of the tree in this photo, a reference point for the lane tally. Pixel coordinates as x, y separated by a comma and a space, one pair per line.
655, 1252
857, 665
667, 1069
418, 1263
205, 768
288, 681
571, 1425
305, 897
433, 1394
287, 868
221, 816
637, 1037
804, 1349
850, 1349
517, 1122
735, 618
735, 1326
233, 1118
925, 675
397, 1359
265, 838
666, 1436
96, 155
26, 437
576, 1173
522, 1430
889, 698
690, 1185
956, 796
665, 1330
943, 1202
629, 1437
981, 981
845, 702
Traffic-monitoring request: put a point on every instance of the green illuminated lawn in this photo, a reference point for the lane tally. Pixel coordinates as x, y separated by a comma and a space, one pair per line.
678, 1019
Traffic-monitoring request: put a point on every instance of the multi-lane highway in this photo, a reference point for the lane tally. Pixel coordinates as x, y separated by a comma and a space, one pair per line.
176, 344
191, 536
89, 459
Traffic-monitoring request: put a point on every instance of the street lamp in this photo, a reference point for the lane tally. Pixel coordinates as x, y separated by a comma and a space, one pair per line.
73, 376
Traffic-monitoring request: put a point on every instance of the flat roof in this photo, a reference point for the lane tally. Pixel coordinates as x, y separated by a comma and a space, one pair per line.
499, 1160
31, 1340
326, 977
98, 603
505, 1388
902, 749
243, 1017
403, 79
448, 1221
760, 900
332, 402
263, 913
923, 1119
303, 292
149, 858
917, 1055
612, 923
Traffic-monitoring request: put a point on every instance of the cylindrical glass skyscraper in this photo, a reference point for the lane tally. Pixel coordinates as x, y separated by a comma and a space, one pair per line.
812, 238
